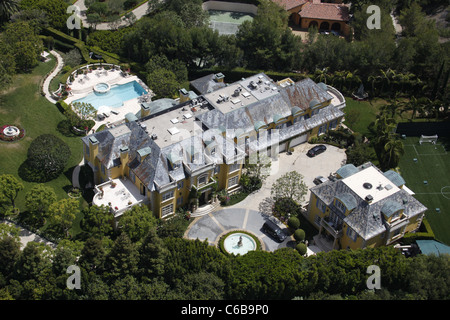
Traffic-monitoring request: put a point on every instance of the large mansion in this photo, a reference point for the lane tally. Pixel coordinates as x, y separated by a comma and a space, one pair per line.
171, 148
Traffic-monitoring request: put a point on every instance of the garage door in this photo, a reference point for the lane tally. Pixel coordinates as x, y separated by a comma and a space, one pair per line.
298, 140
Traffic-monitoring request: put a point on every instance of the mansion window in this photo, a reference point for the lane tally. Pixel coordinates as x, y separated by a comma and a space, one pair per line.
321, 205
216, 169
351, 233
317, 220
167, 210
322, 128
340, 206
168, 195
234, 167
281, 126
180, 184
86, 150
202, 179
333, 124
298, 119
233, 181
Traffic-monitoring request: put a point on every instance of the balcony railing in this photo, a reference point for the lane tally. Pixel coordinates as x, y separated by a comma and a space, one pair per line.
332, 229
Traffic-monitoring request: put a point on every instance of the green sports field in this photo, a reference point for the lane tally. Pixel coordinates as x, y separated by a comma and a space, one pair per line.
426, 169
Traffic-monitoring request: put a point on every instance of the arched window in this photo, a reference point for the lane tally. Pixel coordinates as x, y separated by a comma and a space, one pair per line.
324, 26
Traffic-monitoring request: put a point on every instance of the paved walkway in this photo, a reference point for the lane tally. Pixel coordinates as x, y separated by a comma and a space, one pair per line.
251, 213
54, 73
28, 236
139, 12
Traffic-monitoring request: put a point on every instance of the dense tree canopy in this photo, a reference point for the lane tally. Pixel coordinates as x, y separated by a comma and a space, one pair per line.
46, 158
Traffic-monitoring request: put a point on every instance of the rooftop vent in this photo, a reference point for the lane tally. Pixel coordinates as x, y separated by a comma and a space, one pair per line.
154, 136
368, 198
367, 185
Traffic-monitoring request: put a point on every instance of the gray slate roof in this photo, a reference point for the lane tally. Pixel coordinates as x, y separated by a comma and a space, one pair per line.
365, 219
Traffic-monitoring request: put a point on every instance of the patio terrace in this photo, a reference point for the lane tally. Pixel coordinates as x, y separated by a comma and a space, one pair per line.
119, 194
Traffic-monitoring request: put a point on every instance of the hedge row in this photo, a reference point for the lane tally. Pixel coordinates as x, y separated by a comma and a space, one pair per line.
424, 233
67, 41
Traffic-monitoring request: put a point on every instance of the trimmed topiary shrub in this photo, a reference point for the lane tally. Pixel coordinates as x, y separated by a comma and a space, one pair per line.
299, 235
294, 223
301, 248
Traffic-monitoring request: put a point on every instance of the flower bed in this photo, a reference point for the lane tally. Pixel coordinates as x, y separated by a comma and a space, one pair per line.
6, 138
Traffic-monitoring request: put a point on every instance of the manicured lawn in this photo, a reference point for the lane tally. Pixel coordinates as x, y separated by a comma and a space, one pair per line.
22, 104
433, 166
367, 113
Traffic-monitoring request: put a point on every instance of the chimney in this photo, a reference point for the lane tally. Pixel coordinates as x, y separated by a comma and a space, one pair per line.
219, 77
145, 110
369, 198
184, 95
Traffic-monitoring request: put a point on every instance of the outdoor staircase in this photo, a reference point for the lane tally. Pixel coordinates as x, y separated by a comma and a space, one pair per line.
206, 209
321, 242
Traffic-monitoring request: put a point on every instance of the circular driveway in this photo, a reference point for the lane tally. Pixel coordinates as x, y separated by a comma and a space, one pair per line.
211, 227
251, 213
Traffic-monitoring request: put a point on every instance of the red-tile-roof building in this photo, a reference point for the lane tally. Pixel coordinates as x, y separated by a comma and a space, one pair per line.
324, 16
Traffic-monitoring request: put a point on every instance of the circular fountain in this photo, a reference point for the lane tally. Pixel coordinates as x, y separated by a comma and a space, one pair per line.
102, 87
239, 243
11, 131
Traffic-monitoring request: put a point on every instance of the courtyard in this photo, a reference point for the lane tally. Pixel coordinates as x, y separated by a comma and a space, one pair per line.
251, 213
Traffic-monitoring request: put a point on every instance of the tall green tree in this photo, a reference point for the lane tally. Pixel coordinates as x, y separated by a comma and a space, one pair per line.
267, 42
10, 187
123, 258
152, 256
23, 43
290, 185
97, 221
61, 216
137, 222
38, 200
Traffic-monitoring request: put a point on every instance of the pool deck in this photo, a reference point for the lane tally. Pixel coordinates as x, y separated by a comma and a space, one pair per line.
84, 85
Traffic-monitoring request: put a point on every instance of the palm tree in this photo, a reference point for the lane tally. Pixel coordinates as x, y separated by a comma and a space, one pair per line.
415, 105
7, 8
320, 75
395, 107
394, 149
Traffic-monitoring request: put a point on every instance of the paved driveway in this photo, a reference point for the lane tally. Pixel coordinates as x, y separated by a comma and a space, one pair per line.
212, 226
251, 213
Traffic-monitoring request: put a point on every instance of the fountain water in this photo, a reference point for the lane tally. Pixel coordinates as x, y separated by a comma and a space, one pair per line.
239, 243
11, 131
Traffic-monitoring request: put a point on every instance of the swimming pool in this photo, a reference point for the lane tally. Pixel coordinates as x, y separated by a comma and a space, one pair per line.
115, 96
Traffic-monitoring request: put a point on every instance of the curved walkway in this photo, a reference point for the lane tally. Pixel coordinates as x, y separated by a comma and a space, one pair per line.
54, 73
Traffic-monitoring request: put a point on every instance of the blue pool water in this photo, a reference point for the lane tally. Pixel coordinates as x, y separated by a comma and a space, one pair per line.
116, 96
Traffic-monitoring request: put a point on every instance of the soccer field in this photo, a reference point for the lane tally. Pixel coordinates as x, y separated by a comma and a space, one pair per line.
426, 170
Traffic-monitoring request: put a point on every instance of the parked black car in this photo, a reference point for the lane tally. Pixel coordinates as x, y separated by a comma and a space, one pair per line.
314, 151
274, 230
